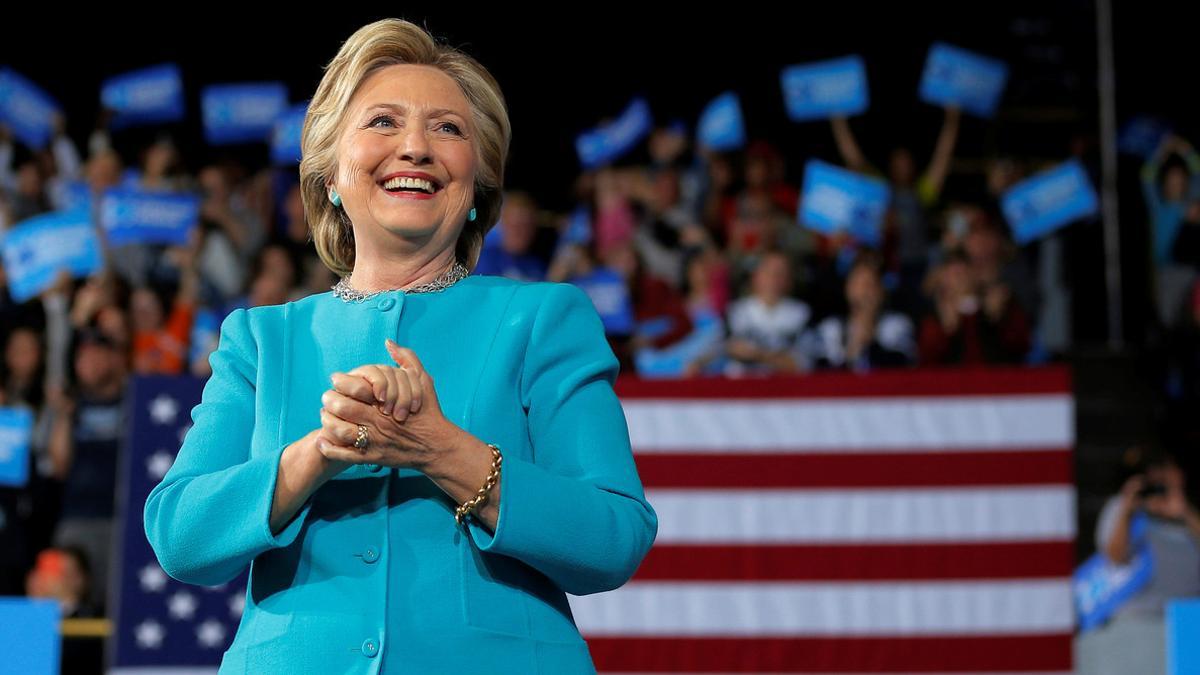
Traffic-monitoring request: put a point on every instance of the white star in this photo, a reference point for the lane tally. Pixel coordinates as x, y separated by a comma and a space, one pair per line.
210, 633
182, 605
149, 634
152, 578
163, 409
158, 464
237, 604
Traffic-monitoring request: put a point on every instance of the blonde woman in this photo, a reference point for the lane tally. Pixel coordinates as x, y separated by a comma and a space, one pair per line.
418, 465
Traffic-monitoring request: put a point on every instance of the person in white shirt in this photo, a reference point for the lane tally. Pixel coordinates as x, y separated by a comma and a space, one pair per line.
765, 327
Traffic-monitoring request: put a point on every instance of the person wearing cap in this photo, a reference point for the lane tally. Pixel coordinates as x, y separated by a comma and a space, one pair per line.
419, 465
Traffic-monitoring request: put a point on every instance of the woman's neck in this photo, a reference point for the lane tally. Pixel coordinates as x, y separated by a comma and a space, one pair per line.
369, 277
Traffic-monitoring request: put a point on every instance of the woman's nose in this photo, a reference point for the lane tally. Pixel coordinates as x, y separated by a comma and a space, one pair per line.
414, 146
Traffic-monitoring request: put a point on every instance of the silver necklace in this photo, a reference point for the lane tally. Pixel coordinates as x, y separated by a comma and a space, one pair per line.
347, 293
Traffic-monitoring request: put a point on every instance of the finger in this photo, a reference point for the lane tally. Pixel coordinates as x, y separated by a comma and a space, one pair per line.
338, 430
413, 382
407, 359
354, 385
402, 405
373, 374
342, 453
396, 390
350, 409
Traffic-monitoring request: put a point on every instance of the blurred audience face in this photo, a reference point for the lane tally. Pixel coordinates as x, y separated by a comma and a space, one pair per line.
268, 289
954, 280
752, 225
1001, 175
983, 243
147, 310
160, 157
114, 322
29, 179
901, 167
99, 366
864, 289
275, 261
379, 141
664, 189
103, 170
293, 207
772, 278
57, 575
518, 223
23, 353
214, 182
1175, 184
622, 259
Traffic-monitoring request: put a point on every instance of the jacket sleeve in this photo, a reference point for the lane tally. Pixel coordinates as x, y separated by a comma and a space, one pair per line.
210, 515
577, 511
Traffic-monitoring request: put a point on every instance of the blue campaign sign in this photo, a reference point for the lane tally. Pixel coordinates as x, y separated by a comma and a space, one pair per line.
1100, 587
36, 248
16, 429
76, 194
1049, 200
958, 77
721, 126
285, 135
611, 298
825, 89
609, 141
130, 215
26, 109
1142, 135
30, 641
243, 112
1183, 625
836, 199
145, 96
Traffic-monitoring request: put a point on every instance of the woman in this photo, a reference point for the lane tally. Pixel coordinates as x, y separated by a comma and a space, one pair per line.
392, 525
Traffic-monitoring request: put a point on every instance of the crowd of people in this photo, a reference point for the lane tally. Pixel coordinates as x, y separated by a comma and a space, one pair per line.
694, 260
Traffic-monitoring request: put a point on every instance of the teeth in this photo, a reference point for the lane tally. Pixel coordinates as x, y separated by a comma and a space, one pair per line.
406, 182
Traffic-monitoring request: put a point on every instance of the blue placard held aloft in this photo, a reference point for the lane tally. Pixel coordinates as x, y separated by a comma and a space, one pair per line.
243, 112
36, 248
958, 77
1049, 200
836, 199
16, 429
837, 87
30, 640
285, 135
130, 215
146, 96
609, 141
610, 296
721, 126
26, 109
1100, 587
1183, 625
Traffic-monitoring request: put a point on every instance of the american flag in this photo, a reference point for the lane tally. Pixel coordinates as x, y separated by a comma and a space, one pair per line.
161, 623
894, 522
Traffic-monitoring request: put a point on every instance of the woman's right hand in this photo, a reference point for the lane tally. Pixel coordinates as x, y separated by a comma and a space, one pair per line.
1130, 500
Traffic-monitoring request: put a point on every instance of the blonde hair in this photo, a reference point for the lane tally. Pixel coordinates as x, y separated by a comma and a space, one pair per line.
372, 47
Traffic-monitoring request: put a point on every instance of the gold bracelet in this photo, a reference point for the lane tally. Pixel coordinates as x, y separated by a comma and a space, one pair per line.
470, 506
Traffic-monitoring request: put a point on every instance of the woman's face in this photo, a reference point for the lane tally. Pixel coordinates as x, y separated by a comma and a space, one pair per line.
23, 353
407, 118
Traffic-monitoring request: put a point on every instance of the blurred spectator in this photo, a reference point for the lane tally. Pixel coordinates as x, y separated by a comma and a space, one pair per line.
63, 574
868, 335
660, 317
765, 327
1168, 199
511, 253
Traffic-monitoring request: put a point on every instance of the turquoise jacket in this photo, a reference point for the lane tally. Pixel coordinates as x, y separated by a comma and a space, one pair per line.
373, 575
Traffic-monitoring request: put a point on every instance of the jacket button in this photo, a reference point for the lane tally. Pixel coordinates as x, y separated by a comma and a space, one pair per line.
385, 304
370, 648
374, 468
370, 555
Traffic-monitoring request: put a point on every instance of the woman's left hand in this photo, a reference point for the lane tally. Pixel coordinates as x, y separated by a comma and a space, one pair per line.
399, 407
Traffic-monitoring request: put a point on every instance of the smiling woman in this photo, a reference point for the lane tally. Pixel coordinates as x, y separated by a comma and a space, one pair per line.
419, 465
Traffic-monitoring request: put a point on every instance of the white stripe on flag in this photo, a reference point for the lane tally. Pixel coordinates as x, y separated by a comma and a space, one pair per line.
767, 609
1016, 513
876, 424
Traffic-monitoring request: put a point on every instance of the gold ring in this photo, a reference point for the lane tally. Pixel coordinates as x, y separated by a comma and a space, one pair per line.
361, 441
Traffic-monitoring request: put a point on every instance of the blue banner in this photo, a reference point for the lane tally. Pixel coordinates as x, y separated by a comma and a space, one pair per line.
610, 295
836, 199
837, 87
957, 77
26, 109
721, 126
609, 141
285, 135
160, 623
243, 112
1099, 586
1183, 625
76, 194
36, 248
1049, 200
1142, 135
31, 641
130, 215
146, 96
16, 430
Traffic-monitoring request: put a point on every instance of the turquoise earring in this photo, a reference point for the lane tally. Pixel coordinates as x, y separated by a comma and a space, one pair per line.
471, 214
335, 198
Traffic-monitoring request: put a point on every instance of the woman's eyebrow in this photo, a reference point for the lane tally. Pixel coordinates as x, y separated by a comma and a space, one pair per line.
436, 112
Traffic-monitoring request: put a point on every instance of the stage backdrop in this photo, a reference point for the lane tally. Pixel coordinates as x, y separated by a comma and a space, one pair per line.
897, 522
902, 522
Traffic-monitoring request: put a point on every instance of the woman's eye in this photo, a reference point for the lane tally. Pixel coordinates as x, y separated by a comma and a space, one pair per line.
453, 126
381, 117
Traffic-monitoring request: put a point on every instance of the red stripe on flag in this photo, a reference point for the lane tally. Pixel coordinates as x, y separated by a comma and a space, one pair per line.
904, 383
868, 562
940, 654
855, 470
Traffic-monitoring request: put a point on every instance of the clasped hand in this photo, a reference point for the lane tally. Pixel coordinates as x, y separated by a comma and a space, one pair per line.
397, 404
